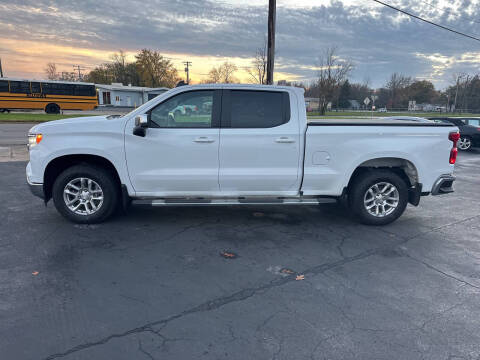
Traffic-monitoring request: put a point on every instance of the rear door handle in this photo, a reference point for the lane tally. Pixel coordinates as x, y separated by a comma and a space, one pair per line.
204, 139
284, 139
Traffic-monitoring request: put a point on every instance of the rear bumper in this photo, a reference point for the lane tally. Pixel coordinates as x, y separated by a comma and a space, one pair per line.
443, 185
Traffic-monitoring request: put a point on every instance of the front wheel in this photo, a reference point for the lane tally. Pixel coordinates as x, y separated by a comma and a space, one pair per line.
378, 197
464, 143
85, 194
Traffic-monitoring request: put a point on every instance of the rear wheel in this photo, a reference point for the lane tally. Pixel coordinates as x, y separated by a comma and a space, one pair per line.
378, 197
52, 109
85, 194
464, 143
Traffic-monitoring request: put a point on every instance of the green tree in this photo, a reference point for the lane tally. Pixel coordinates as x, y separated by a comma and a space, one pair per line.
345, 92
154, 70
422, 92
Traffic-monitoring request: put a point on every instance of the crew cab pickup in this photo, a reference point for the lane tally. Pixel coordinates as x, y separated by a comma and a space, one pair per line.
250, 144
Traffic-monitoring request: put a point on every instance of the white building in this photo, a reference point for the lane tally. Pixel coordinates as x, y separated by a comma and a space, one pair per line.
118, 94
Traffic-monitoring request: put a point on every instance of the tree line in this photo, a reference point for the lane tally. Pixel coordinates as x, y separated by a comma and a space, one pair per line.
331, 86
151, 69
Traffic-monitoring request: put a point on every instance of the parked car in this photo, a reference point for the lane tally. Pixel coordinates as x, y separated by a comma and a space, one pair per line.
253, 147
469, 131
384, 110
410, 118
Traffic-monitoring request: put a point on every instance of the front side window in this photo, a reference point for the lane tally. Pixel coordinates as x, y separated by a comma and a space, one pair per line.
191, 109
258, 109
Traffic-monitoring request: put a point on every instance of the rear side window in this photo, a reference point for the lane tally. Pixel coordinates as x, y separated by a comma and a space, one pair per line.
3, 86
474, 122
85, 90
258, 109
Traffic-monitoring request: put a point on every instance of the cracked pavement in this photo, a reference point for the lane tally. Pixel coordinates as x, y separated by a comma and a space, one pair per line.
152, 285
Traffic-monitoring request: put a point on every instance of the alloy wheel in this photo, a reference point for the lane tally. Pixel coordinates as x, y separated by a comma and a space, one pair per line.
83, 196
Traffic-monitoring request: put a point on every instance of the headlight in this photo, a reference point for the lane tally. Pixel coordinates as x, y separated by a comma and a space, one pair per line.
34, 139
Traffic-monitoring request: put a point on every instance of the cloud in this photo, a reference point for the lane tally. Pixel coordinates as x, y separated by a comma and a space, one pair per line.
377, 39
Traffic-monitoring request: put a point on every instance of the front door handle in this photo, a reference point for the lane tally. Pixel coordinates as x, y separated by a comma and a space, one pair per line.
284, 139
204, 139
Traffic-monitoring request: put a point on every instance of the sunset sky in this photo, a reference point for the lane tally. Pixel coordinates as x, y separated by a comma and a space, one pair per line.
378, 40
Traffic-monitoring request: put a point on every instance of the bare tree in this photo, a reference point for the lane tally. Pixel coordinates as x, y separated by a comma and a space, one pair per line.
222, 74
396, 85
68, 76
258, 68
51, 71
332, 72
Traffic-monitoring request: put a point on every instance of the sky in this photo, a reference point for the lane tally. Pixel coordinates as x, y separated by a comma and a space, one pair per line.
378, 40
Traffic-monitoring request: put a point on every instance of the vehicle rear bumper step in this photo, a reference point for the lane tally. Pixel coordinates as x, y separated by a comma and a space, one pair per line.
242, 201
443, 185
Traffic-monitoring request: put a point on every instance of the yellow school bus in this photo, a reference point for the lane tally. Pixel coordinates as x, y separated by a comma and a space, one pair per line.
51, 96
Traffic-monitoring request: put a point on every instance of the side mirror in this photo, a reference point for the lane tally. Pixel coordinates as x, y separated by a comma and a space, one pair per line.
141, 124
141, 121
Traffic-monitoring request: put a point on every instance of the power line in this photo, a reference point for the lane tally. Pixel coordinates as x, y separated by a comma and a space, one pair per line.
448, 10
427, 21
79, 68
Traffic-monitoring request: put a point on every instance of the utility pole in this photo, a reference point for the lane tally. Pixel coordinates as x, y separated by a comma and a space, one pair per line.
272, 9
187, 70
79, 68
1, 70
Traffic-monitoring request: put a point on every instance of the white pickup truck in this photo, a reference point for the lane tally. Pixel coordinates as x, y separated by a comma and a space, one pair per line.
250, 145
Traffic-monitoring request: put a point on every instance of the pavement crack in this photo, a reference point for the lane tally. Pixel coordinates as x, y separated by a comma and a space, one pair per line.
247, 293
217, 303
431, 267
143, 351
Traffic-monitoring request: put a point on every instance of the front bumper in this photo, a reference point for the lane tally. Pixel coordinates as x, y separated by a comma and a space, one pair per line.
35, 188
443, 185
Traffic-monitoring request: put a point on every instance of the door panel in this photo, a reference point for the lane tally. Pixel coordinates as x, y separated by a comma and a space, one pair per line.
262, 160
179, 154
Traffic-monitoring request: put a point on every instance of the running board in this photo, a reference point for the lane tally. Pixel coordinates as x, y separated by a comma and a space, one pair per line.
241, 201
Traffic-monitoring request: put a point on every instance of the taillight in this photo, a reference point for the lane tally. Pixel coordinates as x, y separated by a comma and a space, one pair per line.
453, 137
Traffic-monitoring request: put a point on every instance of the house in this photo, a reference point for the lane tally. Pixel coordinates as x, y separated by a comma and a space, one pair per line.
118, 94
354, 104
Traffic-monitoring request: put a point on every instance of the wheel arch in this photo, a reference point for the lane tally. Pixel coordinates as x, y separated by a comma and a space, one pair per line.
402, 167
56, 166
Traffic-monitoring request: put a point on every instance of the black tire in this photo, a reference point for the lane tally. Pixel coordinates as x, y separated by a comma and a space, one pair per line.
358, 191
52, 109
105, 180
3, 110
467, 141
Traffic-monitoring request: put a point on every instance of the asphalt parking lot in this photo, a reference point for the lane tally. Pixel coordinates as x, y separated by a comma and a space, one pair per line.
154, 284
